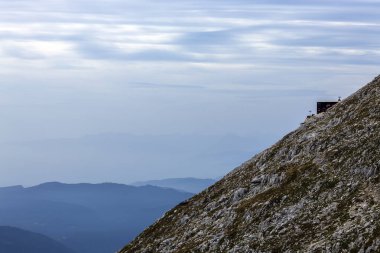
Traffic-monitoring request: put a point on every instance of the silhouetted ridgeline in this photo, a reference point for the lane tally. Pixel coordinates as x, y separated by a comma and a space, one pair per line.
193, 185
14, 240
89, 218
316, 190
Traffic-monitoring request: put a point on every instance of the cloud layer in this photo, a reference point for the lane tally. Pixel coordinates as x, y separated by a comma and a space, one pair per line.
253, 32
248, 67
104, 50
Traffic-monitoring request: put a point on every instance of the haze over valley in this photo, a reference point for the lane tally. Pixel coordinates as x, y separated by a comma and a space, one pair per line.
126, 121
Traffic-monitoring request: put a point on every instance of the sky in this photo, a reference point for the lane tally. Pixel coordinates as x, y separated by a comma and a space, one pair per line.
246, 68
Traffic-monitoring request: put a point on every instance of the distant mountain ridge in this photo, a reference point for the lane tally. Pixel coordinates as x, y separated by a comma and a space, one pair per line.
205, 156
316, 190
89, 218
15, 240
189, 184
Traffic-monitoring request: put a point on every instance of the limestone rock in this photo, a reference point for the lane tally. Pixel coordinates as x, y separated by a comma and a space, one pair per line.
316, 190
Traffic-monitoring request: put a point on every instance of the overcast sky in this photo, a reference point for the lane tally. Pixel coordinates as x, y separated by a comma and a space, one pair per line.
70, 68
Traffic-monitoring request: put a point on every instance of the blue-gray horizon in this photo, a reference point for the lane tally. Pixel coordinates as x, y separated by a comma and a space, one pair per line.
72, 68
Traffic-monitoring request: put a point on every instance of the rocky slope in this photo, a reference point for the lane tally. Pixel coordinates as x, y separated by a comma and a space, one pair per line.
316, 190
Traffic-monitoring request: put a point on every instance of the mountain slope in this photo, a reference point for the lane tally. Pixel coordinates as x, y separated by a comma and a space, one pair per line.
193, 185
14, 240
318, 189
